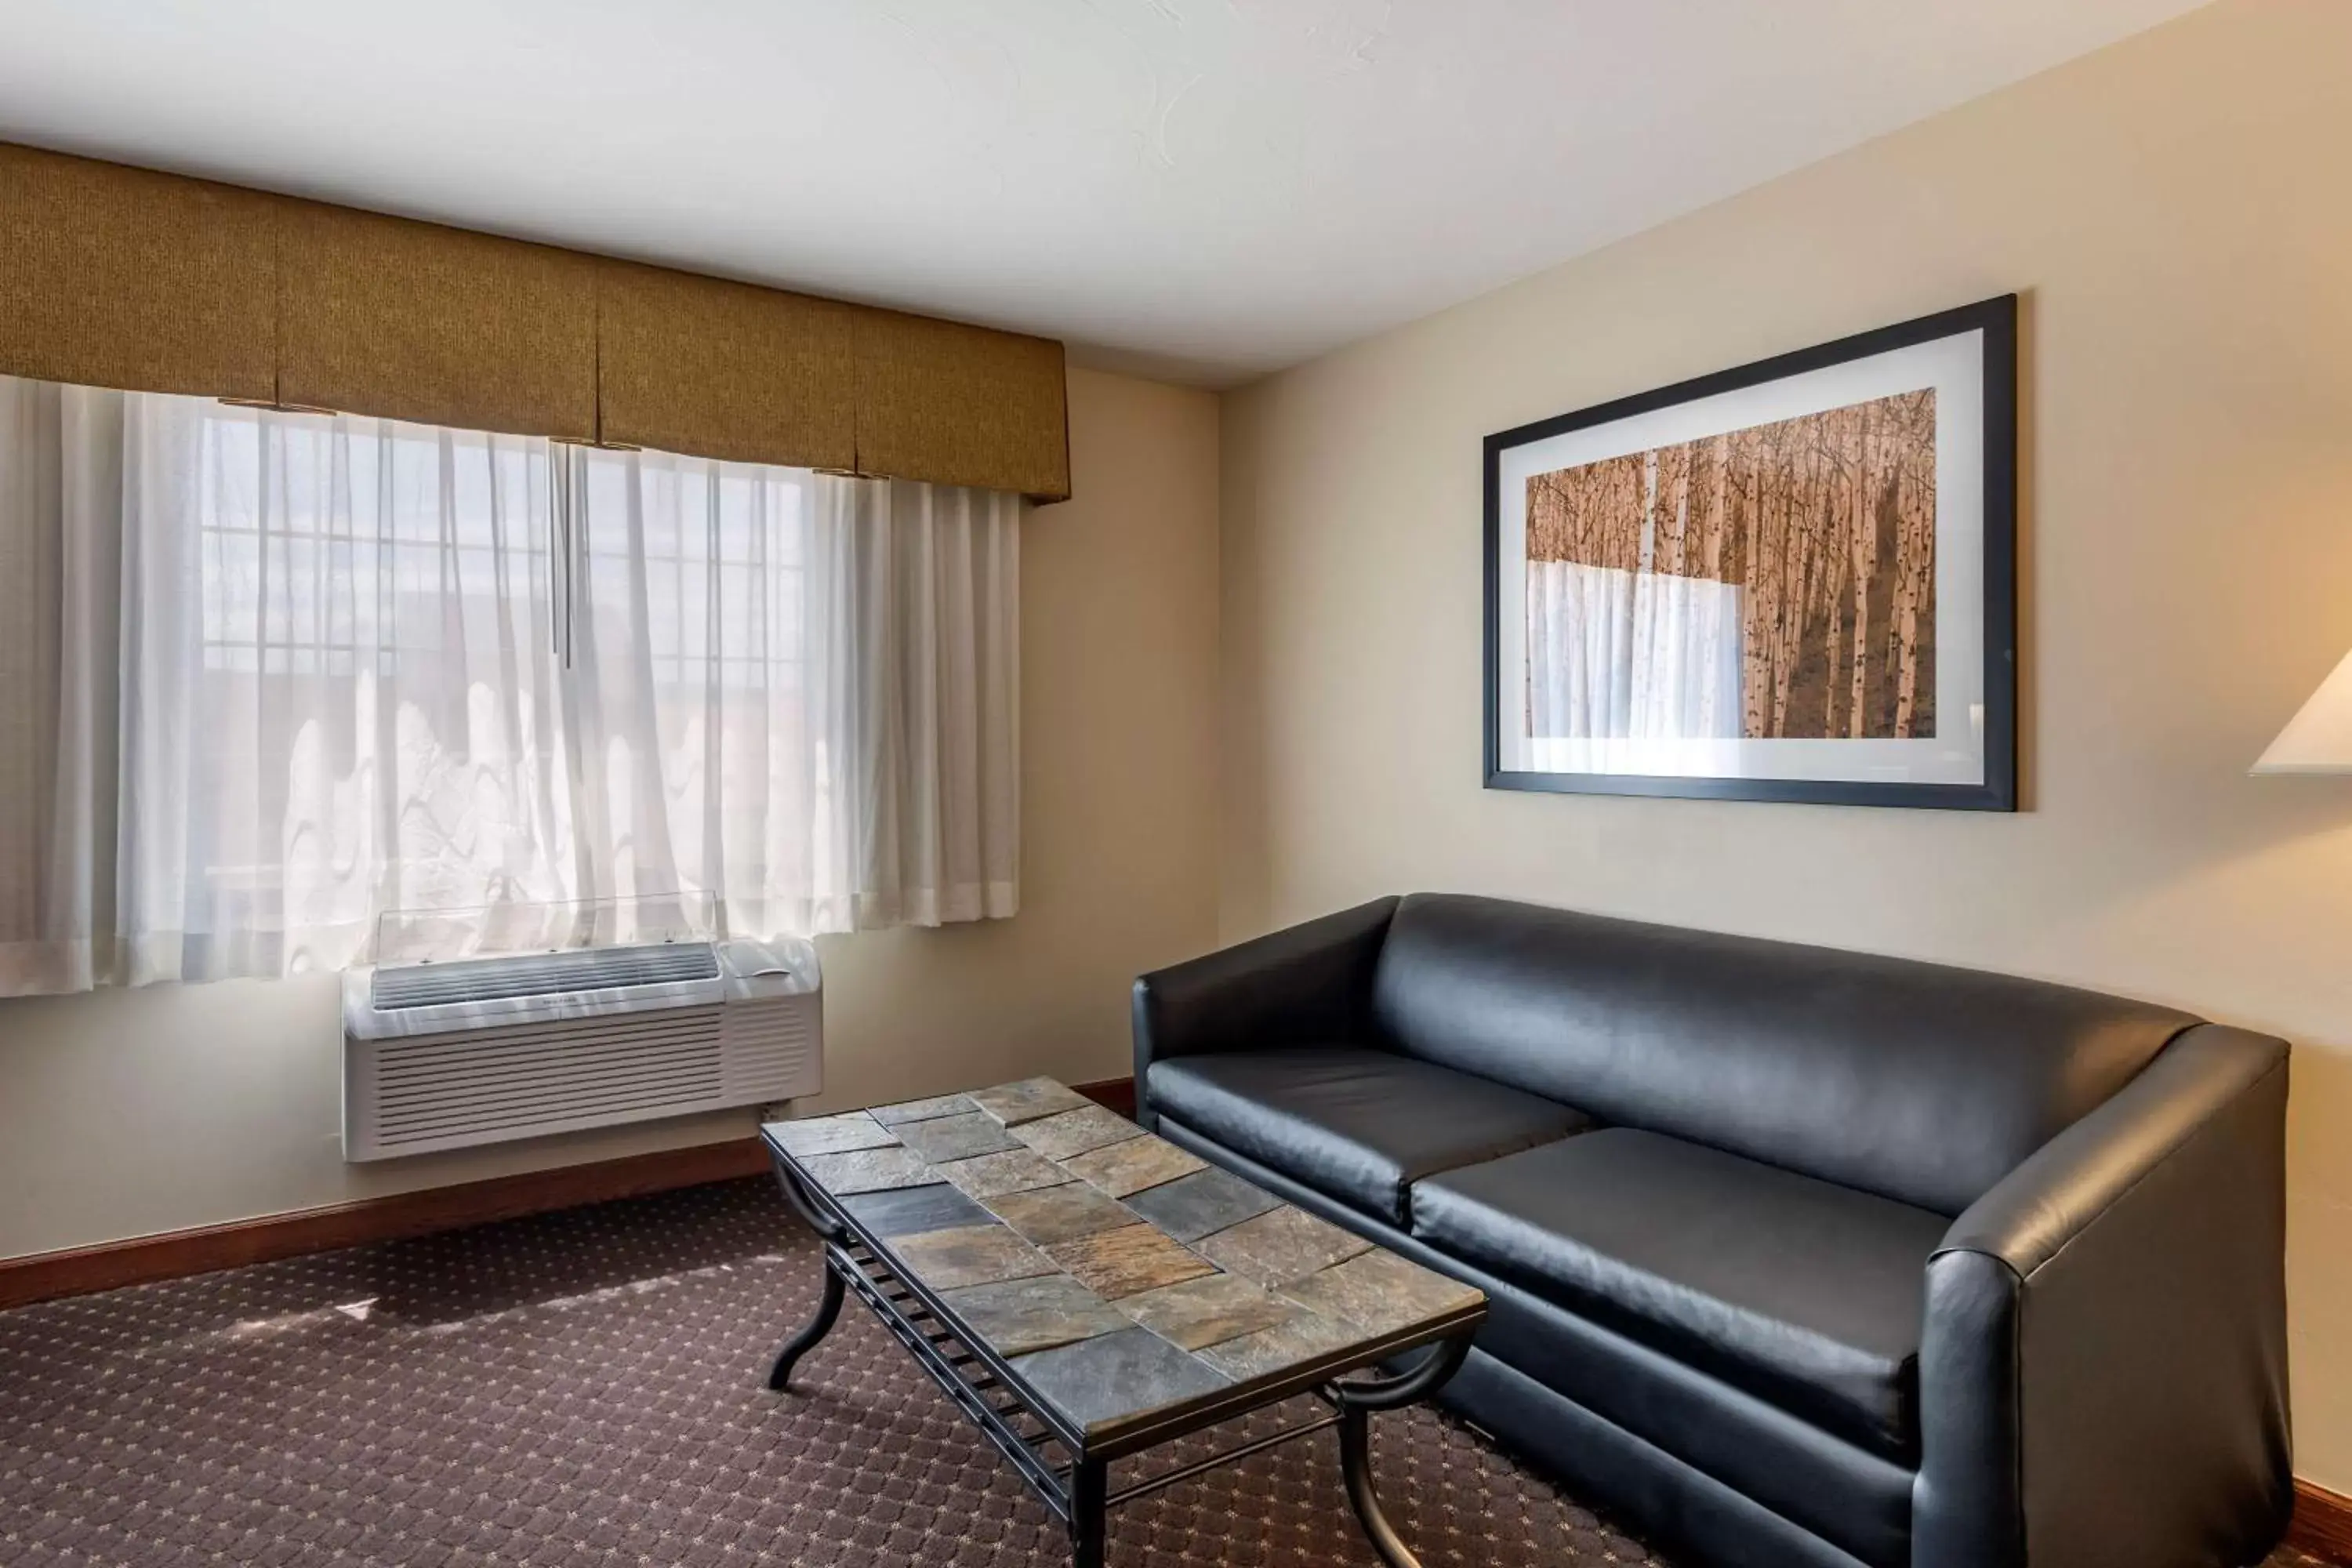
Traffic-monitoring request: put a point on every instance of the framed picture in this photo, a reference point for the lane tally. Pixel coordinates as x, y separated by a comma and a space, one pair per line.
1792, 581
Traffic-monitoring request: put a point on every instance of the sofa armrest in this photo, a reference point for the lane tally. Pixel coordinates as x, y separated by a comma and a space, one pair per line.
2103, 1365
1308, 984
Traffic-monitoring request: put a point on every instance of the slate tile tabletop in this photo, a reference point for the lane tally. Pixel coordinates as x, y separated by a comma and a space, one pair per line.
1116, 1273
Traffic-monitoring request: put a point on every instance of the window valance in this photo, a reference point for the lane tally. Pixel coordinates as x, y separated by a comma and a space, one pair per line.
125, 278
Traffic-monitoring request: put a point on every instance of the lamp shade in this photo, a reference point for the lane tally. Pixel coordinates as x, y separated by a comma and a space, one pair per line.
2318, 739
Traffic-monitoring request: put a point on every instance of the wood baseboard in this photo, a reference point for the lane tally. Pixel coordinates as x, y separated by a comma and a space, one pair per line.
2323, 1523
79, 1270
76, 1271
1111, 1093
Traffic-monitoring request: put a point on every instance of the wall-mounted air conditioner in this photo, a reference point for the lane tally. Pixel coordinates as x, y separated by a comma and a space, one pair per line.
442, 1054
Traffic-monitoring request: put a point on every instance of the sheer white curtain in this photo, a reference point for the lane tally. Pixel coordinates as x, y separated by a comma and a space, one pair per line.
338, 694
801, 691
915, 687
61, 485
306, 669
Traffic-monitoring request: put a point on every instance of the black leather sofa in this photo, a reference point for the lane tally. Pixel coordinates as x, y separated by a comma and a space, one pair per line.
1796, 1255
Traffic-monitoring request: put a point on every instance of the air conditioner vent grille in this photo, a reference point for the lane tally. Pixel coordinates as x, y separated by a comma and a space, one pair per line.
492, 1080
542, 975
482, 1050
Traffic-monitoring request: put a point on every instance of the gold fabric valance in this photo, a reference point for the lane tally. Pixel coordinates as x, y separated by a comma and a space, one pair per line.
111, 276
116, 276
723, 370
968, 406
412, 320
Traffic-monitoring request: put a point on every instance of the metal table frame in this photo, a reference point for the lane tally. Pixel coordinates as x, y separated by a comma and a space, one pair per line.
1024, 1428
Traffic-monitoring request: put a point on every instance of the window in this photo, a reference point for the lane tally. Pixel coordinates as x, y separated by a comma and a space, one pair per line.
366, 665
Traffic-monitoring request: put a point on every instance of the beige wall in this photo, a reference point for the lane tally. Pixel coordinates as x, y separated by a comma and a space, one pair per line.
2173, 210
124, 1113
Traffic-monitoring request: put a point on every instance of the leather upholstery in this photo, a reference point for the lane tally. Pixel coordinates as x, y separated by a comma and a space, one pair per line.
1803, 1293
1681, 1509
1922, 1083
2099, 1333
1308, 984
2103, 1372
1361, 1124
1857, 1500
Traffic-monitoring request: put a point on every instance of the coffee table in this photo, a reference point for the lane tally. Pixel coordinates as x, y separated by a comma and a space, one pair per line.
1085, 1291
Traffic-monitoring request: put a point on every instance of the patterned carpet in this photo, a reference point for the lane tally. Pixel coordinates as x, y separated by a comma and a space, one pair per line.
585, 1388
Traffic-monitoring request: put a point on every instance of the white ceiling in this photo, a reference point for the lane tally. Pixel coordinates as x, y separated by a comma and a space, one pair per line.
1206, 189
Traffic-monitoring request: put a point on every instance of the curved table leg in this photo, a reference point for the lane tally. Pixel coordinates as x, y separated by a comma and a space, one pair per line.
1355, 1471
828, 1308
1356, 1401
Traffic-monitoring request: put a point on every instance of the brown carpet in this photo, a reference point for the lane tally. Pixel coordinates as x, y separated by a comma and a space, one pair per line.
585, 1388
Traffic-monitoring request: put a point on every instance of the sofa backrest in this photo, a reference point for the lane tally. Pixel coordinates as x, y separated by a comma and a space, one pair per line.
1917, 1082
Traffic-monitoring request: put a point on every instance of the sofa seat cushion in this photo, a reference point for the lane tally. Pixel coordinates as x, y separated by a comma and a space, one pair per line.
1361, 1125
1804, 1293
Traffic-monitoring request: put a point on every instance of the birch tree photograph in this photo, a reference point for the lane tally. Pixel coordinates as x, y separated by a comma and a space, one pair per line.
1825, 527
1791, 580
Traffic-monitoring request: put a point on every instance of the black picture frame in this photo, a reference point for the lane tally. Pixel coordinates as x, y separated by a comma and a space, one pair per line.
1996, 319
